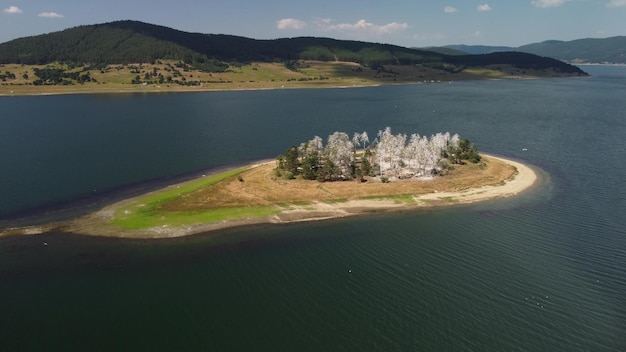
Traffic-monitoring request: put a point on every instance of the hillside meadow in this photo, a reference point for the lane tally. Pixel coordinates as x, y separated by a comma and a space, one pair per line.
166, 76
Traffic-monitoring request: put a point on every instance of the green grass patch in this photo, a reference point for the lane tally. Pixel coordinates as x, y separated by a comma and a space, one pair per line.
404, 198
174, 191
145, 218
336, 201
484, 72
145, 211
398, 199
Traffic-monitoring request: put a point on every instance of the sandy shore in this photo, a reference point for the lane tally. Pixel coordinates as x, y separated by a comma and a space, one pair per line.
97, 223
522, 181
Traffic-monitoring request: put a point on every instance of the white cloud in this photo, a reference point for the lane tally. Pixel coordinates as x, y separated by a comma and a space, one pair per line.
476, 34
50, 15
484, 7
616, 3
450, 9
326, 25
12, 10
290, 23
547, 3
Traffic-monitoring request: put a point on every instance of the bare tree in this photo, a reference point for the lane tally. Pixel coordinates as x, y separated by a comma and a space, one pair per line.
339, 150
364, 139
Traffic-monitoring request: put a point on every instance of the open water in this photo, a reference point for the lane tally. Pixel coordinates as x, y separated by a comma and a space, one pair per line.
544, 271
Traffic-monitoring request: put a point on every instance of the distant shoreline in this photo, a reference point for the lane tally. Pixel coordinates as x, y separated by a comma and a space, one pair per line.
181, 89
596, 64
97, 223
126, 79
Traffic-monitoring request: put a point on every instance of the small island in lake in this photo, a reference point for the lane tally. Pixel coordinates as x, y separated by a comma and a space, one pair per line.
313, 181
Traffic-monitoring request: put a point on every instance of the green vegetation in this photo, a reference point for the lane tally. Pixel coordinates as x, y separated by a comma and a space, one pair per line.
130, 56
398, 199
7, 76
147, 219
53, 76
523, 61
463, 150
146, 211
132, 42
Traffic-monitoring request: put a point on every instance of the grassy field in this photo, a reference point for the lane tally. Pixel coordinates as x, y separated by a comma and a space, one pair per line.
256, 192
301, 74
148, 211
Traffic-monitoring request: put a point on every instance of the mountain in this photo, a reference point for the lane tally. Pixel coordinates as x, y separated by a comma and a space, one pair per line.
479, 49
132, 41
607, 50
444, 50
125, 42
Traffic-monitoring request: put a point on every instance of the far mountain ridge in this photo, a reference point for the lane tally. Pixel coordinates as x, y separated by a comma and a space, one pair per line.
610, 50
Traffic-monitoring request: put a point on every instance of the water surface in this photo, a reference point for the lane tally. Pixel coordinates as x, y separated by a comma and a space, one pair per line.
540, 272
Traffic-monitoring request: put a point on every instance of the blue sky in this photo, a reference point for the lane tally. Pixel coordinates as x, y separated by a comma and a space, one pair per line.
414, 23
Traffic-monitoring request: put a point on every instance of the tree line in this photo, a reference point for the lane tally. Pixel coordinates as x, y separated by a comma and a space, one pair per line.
7, 75
388, 156
54, 76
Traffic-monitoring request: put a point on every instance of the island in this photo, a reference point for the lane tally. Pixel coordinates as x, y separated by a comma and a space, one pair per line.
313, 181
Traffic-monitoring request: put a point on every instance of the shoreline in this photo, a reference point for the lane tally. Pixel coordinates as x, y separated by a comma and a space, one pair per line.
97, 222
16, 91
154, 90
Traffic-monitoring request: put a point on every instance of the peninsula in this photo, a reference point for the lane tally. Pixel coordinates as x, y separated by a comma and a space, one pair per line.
279, 191
132, 56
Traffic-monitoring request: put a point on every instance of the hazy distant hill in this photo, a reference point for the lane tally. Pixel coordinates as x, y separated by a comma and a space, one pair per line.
479, 49
611, 50
607, 50
135, 42
445, 50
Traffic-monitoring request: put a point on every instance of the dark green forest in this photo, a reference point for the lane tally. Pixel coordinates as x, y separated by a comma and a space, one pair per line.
125, 42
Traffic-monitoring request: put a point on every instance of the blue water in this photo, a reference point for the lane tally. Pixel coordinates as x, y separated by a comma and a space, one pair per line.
540, 272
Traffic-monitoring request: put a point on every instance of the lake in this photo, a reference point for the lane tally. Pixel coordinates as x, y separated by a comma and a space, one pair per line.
544, 271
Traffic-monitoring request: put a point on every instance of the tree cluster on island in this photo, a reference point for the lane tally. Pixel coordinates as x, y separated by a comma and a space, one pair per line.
389, 156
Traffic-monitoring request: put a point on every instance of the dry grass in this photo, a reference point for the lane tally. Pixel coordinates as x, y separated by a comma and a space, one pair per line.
260, 187
307, 74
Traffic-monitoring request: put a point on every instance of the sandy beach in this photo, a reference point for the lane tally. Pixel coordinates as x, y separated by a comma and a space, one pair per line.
523, 180
98, 223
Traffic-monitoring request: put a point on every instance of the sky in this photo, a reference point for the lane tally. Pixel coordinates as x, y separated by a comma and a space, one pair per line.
410, 23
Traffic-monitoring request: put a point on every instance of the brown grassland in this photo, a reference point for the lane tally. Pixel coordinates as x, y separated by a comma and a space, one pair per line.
260, 187
118, 78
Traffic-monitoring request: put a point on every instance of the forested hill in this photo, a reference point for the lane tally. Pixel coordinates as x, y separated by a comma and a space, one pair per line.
610, 50
125, 42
